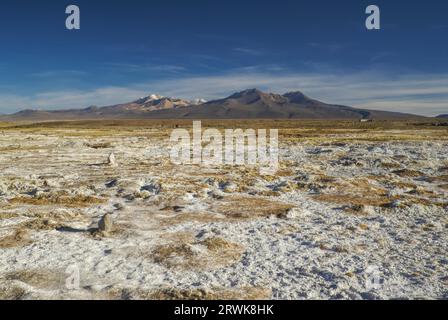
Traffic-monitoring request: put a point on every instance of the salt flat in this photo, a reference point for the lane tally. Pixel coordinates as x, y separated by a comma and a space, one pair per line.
349, 206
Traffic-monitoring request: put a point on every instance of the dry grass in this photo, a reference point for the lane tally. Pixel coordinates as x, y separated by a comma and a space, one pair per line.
8, 215
364, 227
245, 293
440, 179
251, 207
19, 148
356, 209
406, 173
119, 230
181, 218
99, 145
59, 200
41, 279
410, 200
19, 238
354, 200
390, 165
402, 184
10, 291
211, 253
41, 224
362, 192
365, 186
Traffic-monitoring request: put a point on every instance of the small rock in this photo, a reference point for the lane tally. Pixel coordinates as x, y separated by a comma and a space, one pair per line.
112, 183
293, 213
119, 206
111, 160
152, 187
395, 204
106, 223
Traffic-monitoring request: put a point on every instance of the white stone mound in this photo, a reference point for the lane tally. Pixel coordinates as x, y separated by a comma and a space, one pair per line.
111, 160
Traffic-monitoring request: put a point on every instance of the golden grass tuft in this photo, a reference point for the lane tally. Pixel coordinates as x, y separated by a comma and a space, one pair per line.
356, 210
363, 226
197, 217
8, 215
59, 200
41, 279
244, 293
402, 184
9, 291
41, 224
19, 238
100, 145
211, 253
354, 200
390, 165
251, 207
407, 173
440, 179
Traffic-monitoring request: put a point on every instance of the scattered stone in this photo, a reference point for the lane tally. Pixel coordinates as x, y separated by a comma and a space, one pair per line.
111, 160
112, 183
152, 188
119, 206
395, 204
106, 223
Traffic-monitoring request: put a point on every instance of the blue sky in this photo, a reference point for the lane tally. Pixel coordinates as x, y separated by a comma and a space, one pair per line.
209, 49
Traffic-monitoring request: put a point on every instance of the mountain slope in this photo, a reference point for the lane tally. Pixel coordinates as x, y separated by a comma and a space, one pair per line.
255, 104
247, 104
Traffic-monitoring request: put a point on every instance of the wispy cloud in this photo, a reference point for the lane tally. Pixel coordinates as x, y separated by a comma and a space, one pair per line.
127, 67
248, 51
59, 74
381, 56
425, 94
331, 47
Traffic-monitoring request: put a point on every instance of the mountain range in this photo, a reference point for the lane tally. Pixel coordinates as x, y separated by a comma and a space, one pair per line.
247, 104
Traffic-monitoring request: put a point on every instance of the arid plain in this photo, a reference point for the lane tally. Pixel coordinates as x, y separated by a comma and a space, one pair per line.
355, 211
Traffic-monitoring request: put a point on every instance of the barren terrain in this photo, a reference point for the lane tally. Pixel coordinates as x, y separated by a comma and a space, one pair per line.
351, 204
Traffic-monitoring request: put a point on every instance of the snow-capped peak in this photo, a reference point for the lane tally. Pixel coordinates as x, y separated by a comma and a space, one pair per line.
155, 97
198, 101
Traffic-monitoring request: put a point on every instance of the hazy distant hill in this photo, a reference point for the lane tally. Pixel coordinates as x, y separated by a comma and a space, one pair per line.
248, 104
442, 116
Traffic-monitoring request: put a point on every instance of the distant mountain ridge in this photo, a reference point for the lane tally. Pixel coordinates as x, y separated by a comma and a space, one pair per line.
247, 104
442, 116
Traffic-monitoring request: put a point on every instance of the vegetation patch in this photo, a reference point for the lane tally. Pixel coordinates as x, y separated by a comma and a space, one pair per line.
407, 173
100, 145
19, 238
252, 207
355, 200
11, 291
41, 279
245, 293
206, 254
8, 215
197, 217
59, 200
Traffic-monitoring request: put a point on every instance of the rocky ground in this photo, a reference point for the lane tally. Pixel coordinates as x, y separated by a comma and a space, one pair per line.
351, 214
